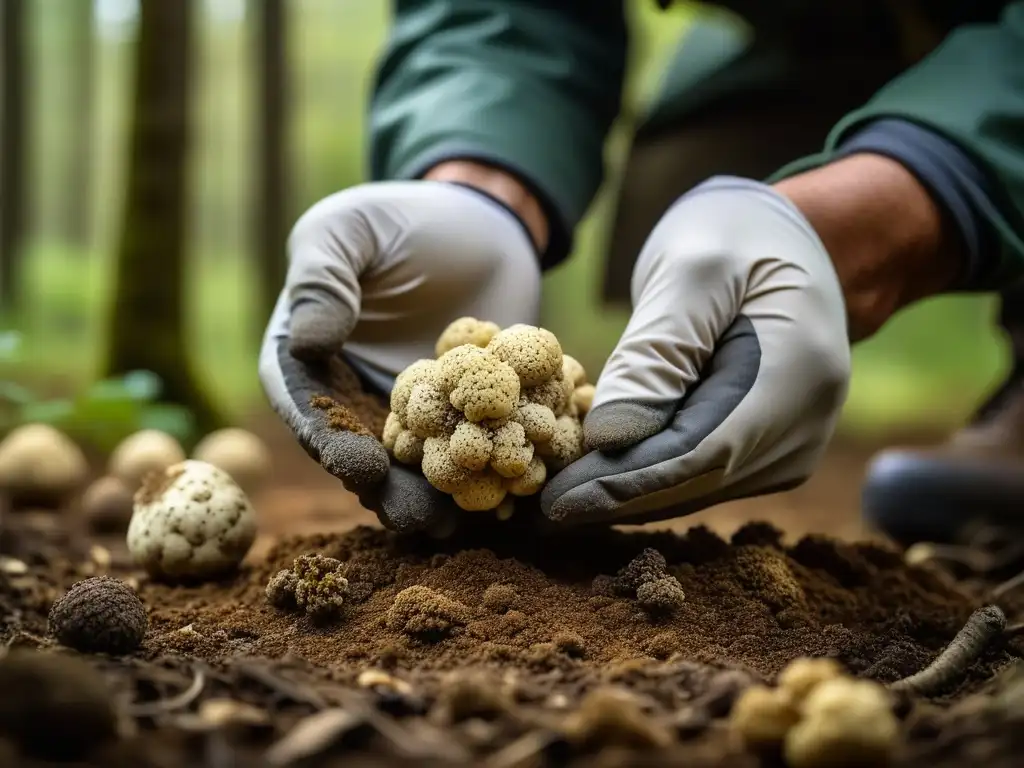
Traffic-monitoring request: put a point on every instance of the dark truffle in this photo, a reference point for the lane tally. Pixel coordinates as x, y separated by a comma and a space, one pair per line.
648, 566
662, 596
99, 615
54, 707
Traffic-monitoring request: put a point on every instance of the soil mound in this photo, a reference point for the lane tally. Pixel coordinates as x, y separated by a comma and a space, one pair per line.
503, 597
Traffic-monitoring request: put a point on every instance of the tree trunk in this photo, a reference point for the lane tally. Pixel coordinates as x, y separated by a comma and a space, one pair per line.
80, 62
13, 63
271, 209
148, 319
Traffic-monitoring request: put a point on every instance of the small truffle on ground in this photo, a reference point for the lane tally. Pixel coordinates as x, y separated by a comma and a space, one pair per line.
40, 466
803, 675
99, 615
107, 505
191, 522
240, 453
141, 453
421, 612
313, 584
54, 707
648, 566
661, 596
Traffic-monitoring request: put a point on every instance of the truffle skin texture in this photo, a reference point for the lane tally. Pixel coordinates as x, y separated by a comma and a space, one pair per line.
465, 330
428, 412
393, 427
420, 611
846, 723
512, 452
471, 446
550, 394
192, 522
439, 468
454, 364
481, 492
650, 565
531, 481
538, 420
107, 505
566, 445
238, 452
147, 451
99, 615
40, 464
55, 707
424, 370
573, 371
320, 587
762, 717
408, 448
583, 399
534, 353
487, 389
661, 596
281, 590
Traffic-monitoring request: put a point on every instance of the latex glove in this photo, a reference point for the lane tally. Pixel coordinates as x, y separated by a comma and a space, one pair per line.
730, 376
375, 275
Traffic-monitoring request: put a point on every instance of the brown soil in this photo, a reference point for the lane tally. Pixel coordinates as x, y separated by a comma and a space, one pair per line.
498, 647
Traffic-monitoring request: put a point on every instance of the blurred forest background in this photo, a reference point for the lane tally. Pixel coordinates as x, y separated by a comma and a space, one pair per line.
97, 98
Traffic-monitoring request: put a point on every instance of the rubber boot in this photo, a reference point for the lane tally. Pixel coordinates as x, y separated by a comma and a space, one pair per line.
978, 475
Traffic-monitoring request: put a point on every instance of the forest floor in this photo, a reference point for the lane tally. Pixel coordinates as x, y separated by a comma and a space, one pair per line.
510, 651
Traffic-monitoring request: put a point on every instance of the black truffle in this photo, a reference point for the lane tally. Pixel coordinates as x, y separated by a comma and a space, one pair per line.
99, 615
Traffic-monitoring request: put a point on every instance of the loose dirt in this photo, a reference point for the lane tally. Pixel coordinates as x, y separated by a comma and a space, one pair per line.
497, 642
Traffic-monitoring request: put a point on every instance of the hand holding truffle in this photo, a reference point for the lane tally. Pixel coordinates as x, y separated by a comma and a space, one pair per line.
375, 275
731, 373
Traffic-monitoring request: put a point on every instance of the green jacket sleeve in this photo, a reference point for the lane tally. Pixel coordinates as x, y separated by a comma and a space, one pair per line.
971, 91
532, 86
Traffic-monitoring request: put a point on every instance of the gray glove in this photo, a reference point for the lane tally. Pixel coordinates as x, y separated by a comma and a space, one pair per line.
731, 373
375, 275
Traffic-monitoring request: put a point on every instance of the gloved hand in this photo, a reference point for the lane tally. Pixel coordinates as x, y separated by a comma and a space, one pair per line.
731, 373
375, 275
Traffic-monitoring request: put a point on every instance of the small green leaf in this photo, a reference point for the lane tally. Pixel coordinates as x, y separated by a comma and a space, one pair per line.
142, 385
48, 411
10, 346
16, 393
175, 420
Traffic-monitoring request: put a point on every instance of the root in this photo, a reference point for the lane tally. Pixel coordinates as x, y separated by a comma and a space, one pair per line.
970, 642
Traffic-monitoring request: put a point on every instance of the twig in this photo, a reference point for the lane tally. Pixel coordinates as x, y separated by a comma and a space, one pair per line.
525, 748
1007, 586
293, 691
163, 706
970, 642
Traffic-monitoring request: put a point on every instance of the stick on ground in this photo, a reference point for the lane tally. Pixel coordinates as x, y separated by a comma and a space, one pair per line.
970, 642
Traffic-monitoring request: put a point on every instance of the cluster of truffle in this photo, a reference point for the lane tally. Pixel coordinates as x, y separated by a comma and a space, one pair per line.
818, 717
492, 415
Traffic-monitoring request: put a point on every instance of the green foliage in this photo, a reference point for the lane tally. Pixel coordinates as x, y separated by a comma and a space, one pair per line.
102, 414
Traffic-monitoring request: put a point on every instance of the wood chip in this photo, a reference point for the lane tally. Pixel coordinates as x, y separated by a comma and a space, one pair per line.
12, 566
313, 735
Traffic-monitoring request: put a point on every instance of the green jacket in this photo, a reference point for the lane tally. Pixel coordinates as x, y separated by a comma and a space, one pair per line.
534, 86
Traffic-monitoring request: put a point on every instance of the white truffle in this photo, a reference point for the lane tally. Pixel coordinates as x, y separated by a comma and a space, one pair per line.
147, 451
238, 452
191, 522
41, 464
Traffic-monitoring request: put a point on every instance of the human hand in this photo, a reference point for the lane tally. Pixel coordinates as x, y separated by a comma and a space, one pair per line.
375, 275
731, 373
